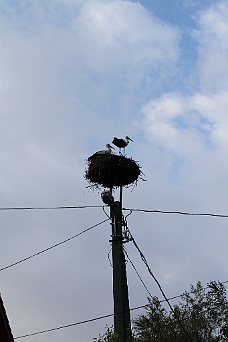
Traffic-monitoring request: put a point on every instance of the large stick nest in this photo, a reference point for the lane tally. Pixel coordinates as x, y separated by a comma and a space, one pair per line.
111, 170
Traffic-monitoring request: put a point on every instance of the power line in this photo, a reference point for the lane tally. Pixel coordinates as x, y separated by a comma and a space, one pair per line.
144, 285
131, 238
100, 206
140, 278
64, 326
51, 208
177, 212
53, 246
160, 288
173, 331
96, 318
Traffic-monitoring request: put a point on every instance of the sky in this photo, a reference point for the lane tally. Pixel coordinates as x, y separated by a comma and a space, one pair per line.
74, 74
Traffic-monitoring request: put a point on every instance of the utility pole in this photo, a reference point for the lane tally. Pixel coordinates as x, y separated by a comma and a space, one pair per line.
122, 322
108, 170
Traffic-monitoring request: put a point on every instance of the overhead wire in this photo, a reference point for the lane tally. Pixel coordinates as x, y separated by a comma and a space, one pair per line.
135, 269
131, 238
97, 318
131, 209
51, 208
103, 208
63, 326
128, 237
109, 315
176, 212
164, 300
158, 284
53, 246
94, 206
82, 232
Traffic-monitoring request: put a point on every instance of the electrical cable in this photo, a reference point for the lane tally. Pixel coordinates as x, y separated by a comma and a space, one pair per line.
95, 319
51, 208
141, 254
146, 288
160, 288
53, 246
177, 212
103, 208
100, 206
140, 278
63, 326
171, 323
130, 238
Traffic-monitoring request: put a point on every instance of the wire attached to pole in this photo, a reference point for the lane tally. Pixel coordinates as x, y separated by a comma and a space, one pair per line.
155, 279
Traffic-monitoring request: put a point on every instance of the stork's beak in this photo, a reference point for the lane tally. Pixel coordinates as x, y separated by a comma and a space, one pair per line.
130, 139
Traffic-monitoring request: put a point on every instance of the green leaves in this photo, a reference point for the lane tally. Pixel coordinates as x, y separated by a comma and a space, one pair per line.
202, 311
109, 336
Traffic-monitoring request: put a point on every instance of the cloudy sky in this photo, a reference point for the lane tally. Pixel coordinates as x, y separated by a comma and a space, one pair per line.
74, 74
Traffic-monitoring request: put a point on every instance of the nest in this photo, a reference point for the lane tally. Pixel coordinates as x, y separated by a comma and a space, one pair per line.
111, 170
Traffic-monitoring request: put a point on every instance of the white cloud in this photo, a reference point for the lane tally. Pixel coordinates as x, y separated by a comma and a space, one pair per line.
213, 48
128, 33
60, 84
176, 122
181, 122
187, 140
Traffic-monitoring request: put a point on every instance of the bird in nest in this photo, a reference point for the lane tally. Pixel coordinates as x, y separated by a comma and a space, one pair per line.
108, 151
121, 143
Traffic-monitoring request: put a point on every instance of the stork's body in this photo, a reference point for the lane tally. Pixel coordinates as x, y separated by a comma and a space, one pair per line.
108, 151
121, 143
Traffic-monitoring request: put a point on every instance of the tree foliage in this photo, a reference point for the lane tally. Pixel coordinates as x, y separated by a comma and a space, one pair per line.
203, 312
200, 316
109, 336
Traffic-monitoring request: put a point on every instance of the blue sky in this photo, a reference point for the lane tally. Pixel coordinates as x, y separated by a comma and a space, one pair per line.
74, 74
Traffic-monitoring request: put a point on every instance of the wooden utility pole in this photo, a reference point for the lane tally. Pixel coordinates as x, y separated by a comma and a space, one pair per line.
122, 324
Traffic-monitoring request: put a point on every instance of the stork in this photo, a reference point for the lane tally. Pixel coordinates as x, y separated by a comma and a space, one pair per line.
121, 143
108, 151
